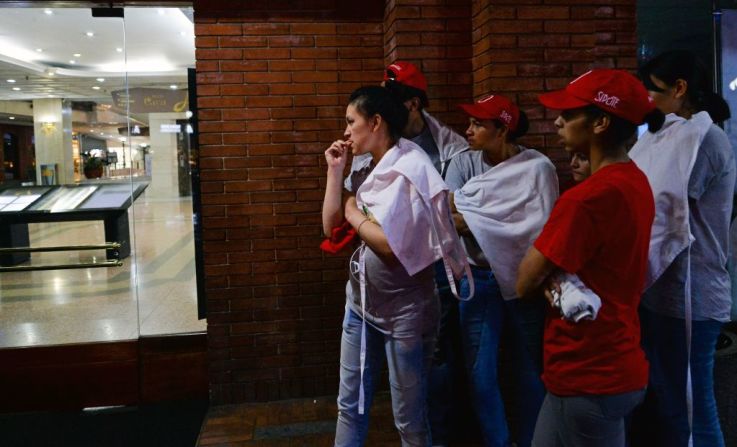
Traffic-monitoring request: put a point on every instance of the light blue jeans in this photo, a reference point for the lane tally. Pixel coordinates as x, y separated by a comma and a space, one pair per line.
482, 320
408, 360
664, 342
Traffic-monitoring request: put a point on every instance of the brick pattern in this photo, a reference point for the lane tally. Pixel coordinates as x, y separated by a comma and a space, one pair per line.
435, 35
273, 79
524, 47
271, 97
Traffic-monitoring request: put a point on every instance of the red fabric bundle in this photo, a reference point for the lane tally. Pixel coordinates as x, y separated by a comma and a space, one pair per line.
340, 237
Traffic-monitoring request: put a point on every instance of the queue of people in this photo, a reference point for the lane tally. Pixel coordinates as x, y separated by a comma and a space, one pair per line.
613, 293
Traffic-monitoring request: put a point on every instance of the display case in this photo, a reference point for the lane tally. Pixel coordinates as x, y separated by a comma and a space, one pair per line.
108, 202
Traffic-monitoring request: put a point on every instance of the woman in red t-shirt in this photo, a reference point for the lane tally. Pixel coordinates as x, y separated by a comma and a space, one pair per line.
595, 370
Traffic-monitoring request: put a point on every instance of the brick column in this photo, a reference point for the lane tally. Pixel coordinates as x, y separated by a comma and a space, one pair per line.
522, 48
435, 35
273, 81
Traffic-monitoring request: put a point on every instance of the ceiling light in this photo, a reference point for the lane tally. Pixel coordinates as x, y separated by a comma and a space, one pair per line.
16, 89
11, 117
119, 50
89, 33
48, 12
100, 79
12, 81
182, 33
72, 61
173, 87
39, 50
77, 55
50, 96
95, 87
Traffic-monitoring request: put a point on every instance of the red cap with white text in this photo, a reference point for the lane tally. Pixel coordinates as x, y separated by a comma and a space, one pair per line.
614, 91
406, 73
494, 107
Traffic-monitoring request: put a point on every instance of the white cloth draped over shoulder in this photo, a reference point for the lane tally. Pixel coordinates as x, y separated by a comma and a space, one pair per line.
448, 142
506, 208
667, 158
409, 199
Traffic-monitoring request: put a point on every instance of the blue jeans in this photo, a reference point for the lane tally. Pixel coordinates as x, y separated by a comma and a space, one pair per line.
585, 421
482, 319
664, 342
445, 389
408, 360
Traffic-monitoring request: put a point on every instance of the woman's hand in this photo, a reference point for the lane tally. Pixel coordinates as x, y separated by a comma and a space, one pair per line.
549, 286
337, 154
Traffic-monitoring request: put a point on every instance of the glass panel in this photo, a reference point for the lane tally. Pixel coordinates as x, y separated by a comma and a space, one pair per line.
729, 70
101, 120
161, 134
62, 129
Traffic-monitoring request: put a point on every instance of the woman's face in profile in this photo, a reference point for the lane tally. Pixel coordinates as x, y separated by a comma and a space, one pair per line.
357, 132
580, 167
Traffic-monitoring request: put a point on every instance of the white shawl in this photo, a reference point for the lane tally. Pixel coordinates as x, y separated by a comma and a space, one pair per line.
667, 158
409, 199
505, 209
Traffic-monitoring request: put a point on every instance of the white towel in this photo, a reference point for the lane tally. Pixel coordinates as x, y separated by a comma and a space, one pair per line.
576, 301
506, 208
409, 199
667, 158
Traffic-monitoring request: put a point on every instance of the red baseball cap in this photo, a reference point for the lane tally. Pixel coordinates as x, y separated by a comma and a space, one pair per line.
494, 107
406, 73
614, 91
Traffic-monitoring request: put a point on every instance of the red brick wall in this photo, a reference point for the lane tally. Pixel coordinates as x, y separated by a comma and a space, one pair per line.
272, 89
435, 35
273, 79
524, 47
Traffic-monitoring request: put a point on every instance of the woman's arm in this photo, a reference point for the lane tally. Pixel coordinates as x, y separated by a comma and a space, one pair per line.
458, 220
534, 269
332, 205
369, 231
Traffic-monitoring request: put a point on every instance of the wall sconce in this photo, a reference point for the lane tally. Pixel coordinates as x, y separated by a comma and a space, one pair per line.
48, 126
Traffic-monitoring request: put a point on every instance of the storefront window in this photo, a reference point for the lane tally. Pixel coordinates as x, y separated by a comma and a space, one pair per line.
96, 150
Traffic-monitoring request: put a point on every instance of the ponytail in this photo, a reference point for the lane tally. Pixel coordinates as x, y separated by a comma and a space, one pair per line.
654, 120
680, 64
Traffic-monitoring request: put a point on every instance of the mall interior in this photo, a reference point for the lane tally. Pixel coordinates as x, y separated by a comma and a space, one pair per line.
162, 178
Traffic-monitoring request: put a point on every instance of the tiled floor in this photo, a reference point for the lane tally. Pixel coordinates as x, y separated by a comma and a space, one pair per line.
153, 293
294, 423
305, 422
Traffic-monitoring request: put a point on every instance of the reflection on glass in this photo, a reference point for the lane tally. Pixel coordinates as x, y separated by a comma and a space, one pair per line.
64, 198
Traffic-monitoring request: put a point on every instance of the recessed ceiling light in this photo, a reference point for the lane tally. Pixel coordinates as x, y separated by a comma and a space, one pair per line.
72, 61
89, 33
182, 33
12, 81
48, 12
16, 89
11, 117
173, 87
119, 50
50, 96
77, 55
100, 79
39, 50
95, 87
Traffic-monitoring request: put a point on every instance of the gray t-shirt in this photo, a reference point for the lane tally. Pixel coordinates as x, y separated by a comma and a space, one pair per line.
427, 143
462, 168
396, 303
711, 188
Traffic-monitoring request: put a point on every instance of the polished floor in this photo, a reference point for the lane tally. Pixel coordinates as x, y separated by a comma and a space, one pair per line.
302, 422
153, 293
